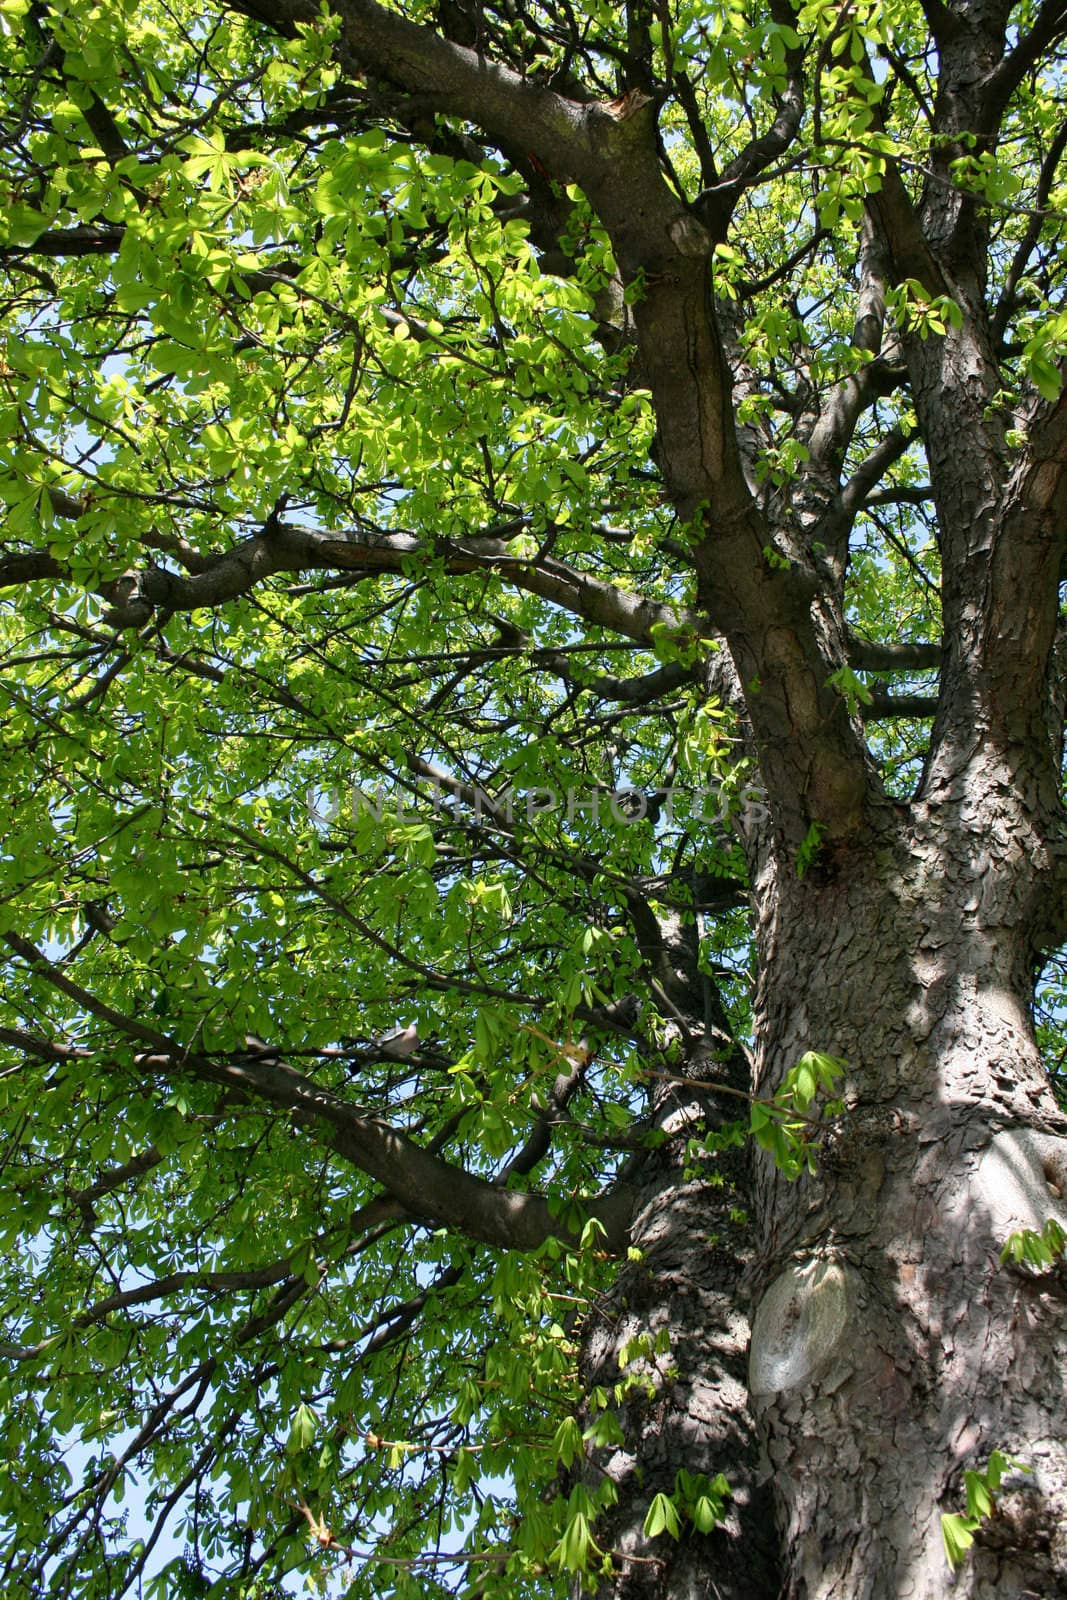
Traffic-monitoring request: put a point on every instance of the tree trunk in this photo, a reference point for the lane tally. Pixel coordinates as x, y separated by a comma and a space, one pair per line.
686, 1406
890, 1346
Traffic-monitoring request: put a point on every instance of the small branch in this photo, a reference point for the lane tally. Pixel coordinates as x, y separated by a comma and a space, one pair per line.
641, 691
113, 1179
749, 289
683, 88
715, 204
1006, 303
858, 490
919, 494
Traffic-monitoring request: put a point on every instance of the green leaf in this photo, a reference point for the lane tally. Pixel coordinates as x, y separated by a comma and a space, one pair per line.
567, 1442
661, 1518
574, 1549
958, 1535
302, 1430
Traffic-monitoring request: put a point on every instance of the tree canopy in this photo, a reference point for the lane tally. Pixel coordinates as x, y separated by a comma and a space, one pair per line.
476, 479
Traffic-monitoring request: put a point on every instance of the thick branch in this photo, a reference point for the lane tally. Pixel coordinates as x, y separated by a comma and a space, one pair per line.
91, 240
813, 758
289, 549
29, 566
869, 656
887, 707
942, 21
426, 1186
40, 1048
1049, 25
1018, 632
833, 430
453, 78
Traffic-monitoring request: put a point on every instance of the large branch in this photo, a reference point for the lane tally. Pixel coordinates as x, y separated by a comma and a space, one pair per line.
610, 148
1000, 525
869, 656
835, 425
453, 79
1018, 634
94, 239
284, 548
1049, 25
426, 1186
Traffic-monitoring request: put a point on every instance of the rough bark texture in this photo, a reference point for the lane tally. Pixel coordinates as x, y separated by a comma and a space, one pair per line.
688, 1408
685, 1404
890, 1346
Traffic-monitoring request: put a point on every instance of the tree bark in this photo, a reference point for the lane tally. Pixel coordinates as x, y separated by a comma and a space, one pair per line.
688, 1406
890, 1347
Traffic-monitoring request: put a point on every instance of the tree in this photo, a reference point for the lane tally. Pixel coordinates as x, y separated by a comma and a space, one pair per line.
541, 525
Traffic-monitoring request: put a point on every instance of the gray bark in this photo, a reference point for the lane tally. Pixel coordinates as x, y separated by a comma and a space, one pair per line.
890, 1347
688, 1407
